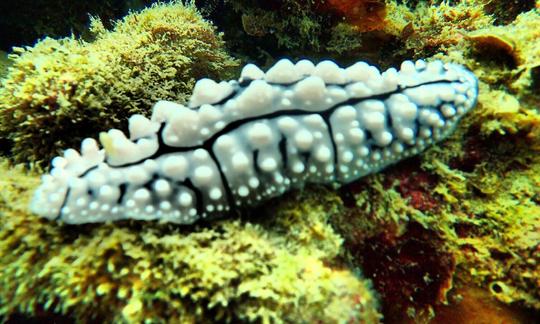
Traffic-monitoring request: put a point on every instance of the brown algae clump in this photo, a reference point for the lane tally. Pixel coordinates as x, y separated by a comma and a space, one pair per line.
60, 91
283, 269
431, 29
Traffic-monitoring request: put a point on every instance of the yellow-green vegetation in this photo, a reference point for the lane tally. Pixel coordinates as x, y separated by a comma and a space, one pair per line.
301, 28
60, 91
473, 201
4, 64
485, 180
429, 29
506, 59
278, 269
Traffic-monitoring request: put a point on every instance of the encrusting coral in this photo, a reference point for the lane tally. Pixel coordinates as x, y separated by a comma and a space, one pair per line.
281, 268
60, 91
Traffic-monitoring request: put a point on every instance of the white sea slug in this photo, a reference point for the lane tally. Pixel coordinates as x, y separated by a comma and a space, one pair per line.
239, 143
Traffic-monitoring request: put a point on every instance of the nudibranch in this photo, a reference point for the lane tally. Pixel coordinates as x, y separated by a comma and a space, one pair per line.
238, 143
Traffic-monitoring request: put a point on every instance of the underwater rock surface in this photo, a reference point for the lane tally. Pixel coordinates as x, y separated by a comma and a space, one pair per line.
58, 92
284, 267
459, 223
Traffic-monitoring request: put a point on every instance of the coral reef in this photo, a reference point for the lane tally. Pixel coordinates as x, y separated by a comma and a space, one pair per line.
60, 91
282, 267
476, 194
450, 236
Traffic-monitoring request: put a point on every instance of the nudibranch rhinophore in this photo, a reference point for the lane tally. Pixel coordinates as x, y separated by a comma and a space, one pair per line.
239, 143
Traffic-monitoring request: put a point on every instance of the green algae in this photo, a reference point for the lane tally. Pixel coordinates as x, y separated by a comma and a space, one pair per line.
282, 269
61, 91
4, 64
483, 187
471, 204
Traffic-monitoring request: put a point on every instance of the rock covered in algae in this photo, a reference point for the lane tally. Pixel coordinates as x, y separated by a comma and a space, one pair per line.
448, 229
469, 207
384, 32
334, 27
465, 214
282, 268
506, 60
60, 91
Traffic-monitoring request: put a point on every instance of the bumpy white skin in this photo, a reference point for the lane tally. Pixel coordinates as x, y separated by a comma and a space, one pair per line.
239, 143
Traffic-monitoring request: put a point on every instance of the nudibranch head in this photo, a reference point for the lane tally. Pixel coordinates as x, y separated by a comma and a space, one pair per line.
238, 143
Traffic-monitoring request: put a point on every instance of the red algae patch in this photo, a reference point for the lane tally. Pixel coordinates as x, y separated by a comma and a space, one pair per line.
366, 15
410, 271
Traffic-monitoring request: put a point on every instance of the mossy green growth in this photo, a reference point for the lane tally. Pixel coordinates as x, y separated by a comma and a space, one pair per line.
486, 219
60, 91
5, 62
282, 268
325, 29
292, 25
483, 182
429, 29
506, 61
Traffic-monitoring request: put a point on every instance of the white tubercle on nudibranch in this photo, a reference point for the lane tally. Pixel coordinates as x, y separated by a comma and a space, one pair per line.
239, 143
